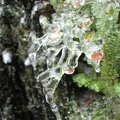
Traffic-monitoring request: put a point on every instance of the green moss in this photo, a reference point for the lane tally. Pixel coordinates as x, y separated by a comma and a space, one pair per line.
107, 81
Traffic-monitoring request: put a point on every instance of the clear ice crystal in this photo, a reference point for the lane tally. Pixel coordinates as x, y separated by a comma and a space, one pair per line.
59, 48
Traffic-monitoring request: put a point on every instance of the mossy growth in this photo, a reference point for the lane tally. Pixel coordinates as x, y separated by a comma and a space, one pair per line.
107, 27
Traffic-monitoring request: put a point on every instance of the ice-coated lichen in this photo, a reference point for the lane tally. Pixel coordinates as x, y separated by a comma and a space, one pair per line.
66, 36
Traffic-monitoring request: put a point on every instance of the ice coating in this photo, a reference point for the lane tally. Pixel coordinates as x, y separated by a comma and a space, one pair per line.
58, 40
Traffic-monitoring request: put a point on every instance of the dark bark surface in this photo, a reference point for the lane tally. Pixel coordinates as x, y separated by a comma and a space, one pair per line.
19, 98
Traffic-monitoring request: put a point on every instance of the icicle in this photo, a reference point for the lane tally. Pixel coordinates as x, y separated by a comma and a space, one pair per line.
97, 69
49, 86
97, 65
50, 80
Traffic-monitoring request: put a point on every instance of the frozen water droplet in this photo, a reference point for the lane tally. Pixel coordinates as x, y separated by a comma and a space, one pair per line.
27, 62
97, 69
7, 56
97, 65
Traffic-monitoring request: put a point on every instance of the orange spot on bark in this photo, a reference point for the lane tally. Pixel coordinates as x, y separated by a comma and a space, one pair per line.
97, 56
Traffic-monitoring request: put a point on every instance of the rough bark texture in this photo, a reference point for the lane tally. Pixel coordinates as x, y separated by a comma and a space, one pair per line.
19, 97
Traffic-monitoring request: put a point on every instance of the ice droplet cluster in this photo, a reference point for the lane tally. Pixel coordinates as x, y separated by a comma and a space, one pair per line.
65, 38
